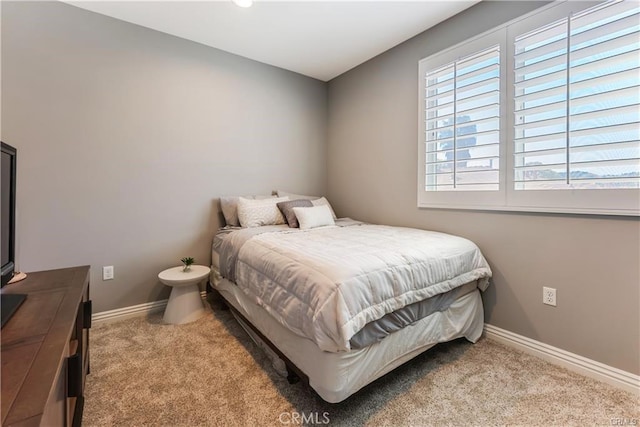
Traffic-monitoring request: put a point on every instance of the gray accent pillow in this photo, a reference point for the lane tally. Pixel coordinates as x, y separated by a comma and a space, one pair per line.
287, 210
229, 206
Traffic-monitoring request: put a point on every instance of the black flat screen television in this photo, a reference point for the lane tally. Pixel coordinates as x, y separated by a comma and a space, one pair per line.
8, 213
9, 302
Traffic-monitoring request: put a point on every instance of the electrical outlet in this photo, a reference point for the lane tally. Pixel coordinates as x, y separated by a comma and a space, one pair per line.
107, 272
549, 296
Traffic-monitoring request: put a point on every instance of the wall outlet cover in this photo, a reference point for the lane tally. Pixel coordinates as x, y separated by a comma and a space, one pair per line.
107, 272
549, 296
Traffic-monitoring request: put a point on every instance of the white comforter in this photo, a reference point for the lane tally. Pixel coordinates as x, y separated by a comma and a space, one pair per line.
327, 283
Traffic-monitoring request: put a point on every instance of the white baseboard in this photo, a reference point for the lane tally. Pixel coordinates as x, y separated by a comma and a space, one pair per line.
132, 311
587, 367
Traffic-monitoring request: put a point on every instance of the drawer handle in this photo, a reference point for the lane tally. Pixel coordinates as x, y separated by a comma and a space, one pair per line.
74, 375
86, 315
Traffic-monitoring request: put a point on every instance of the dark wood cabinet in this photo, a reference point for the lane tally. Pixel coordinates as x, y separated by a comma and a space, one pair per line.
45, 349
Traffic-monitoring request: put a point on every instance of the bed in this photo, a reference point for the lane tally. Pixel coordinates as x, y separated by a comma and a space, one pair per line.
345, 303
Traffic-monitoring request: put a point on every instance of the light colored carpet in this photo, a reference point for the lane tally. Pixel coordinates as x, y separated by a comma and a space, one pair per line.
210, 373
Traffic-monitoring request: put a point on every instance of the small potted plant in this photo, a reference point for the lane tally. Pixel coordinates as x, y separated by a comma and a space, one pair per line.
187, 261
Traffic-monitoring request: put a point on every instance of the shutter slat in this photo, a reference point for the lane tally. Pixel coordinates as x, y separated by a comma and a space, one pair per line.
440, 107
484, 70
527, 57
487, 98
433, 87
612, 27
608, 162
476, 159
542, 81
434, 99
521, 155
543, 35
433, 123
486, 84
439, 73
534, 124
606, 48
623, 115
548, 64
541, 108
493, 144
602, 12
541, 138
489, 106
495, 120
613, 128
607, 79
559, 91
599, 98
542, 167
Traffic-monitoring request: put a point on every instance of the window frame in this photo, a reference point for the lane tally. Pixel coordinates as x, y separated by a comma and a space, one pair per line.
625, 202
446, 198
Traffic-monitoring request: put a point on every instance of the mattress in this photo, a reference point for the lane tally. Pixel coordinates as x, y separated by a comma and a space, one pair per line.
329, 284
337, 375
379, 329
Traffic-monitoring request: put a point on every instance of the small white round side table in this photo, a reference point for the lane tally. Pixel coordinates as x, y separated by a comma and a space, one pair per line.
185, 304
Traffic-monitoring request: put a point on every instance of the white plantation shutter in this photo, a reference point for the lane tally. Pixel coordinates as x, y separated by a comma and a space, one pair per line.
462, 123
540, 114
577, 102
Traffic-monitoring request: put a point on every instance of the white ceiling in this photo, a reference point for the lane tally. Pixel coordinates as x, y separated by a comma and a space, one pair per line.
320, 39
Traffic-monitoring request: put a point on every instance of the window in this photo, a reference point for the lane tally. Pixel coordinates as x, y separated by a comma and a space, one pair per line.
541, 114
463, 123
576, 102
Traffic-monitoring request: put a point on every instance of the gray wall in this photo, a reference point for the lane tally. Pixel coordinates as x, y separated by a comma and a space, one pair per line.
593, 262
126, 137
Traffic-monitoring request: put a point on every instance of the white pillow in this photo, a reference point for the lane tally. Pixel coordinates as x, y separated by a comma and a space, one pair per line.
317, 216
322, 201
255, 213
229, 206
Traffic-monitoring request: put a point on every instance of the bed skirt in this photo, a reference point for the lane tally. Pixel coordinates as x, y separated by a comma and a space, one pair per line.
336, 376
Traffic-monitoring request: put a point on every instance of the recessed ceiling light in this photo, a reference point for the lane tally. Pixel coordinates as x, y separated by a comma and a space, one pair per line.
243, 3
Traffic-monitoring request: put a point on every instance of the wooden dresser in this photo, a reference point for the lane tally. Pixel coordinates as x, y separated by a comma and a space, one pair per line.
45, 349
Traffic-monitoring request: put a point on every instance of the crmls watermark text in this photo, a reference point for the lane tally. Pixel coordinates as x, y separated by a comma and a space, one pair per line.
299, 418
624, 421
